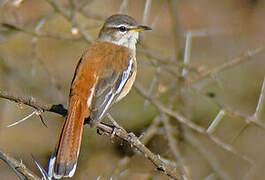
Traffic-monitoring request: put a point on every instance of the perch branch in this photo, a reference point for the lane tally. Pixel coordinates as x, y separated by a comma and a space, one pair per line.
105, 128
32, 102
136, 143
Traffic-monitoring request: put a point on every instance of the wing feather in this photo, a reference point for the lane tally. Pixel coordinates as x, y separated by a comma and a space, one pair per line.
108, 90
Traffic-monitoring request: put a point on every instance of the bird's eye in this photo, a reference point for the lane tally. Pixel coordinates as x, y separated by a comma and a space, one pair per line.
122, 28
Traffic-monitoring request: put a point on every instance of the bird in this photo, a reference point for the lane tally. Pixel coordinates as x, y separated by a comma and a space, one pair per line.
103, 76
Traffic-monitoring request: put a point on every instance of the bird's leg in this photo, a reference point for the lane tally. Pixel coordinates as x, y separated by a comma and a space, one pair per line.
116, 125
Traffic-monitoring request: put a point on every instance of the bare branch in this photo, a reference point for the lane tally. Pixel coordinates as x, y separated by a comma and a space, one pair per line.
151, 130
32, 102
229, 148
72, 21
247, 56
123, 6
135, 142
146, 10
19, 166
168, 111
173, 7
4, 158
173, 145
15, 27
154, 81
107, 129
207, 155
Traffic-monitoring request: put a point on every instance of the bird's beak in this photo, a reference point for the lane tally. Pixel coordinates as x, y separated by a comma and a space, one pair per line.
140, 28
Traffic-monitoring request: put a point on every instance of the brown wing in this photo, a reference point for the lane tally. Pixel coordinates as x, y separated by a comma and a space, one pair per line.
108, 89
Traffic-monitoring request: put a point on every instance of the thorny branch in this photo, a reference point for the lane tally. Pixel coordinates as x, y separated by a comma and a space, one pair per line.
19, 166
9, 26
188, 123
32, 102
105, 128
238, 60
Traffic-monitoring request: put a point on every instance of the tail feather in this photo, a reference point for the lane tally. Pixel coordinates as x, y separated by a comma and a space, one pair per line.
63, 162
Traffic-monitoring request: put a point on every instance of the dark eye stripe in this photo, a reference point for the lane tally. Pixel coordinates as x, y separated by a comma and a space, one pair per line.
120, 28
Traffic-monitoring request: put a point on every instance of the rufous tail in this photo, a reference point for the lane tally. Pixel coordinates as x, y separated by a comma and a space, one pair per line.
63, 162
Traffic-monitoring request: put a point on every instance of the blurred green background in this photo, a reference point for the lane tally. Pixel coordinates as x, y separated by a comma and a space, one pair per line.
42, 67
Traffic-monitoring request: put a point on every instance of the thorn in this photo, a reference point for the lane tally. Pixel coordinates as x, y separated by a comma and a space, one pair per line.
42, 120
41, 169
21, 120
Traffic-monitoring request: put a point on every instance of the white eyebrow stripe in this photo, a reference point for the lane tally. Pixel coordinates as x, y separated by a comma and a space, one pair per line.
119, 25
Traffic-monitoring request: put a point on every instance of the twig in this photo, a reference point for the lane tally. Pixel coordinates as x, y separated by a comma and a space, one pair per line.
245, 57
19, 166
59, 9
135, 142
69, 18
32, 102
207, 155
146, 10
231, 111
4, 158
261, 102
167, 111
151, 130
206, 32
173, 145
173, 4
229, 148
123, 6
216, 121
91, 15
18, 28
121, 169
210, 177
154, 81
187, 53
